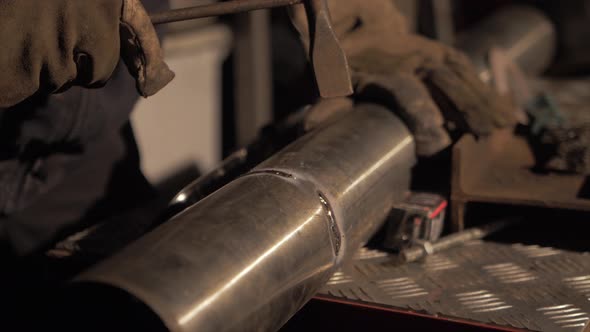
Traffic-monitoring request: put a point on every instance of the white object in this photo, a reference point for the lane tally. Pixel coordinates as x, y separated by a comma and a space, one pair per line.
180, 126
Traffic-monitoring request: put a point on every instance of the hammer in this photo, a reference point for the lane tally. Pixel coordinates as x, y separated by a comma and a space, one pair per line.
329, 62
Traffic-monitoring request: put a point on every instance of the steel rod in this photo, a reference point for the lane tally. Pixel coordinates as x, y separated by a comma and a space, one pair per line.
217, 9
453, 240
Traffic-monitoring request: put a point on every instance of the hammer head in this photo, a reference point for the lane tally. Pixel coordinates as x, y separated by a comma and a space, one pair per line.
330, 65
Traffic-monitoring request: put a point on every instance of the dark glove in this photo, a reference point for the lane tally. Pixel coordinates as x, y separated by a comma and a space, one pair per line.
50, 45
400, 69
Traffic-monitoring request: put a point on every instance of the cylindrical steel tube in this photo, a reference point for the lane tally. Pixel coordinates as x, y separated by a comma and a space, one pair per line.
524, 33
217, 9
251, 254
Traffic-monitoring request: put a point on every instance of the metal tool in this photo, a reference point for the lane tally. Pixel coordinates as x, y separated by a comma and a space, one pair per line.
330, 66
420, 217
428, 248
251, 254
270, 140
217, 9
329, 61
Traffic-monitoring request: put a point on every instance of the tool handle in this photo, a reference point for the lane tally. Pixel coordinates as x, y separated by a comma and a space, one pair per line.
217, 9
449, 241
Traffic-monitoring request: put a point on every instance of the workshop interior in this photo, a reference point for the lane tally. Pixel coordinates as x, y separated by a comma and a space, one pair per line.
342, 165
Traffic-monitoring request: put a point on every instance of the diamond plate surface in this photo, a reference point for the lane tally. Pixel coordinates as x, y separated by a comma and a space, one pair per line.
566, 316
518, 286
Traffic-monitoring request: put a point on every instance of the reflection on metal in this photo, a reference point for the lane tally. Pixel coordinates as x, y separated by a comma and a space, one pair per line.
399, 288
217, 9
482, 301
366, 253
251, 254
566, 315
501, 285
439, 263
524, 33
210, 182
425, 248
509, 273
330, 65
202, 305
339, 278
581, 284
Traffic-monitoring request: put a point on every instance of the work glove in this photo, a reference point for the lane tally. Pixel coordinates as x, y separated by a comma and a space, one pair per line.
408, 73
50, 45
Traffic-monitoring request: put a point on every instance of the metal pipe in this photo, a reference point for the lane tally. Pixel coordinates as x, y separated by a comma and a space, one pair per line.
217, 9
271, 139
524, 33
251, 254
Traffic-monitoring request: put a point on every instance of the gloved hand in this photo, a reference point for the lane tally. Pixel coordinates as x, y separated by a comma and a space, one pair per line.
392, 66
50, 45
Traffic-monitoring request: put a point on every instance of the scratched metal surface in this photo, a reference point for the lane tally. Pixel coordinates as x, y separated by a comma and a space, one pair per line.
525, 287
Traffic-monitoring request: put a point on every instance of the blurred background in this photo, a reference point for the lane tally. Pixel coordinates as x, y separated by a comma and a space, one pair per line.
235, 75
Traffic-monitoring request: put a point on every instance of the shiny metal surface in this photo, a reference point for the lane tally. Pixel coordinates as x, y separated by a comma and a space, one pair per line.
452, 240
251, 254
208, 183
329, 62
217, 9
526, 36
510, 286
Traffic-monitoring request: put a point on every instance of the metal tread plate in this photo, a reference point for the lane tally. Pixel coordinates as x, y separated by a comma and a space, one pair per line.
517, 286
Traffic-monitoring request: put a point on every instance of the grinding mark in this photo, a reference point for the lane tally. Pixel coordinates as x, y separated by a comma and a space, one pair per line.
482, 301
566, 315
335, 233
509, 273
339, 277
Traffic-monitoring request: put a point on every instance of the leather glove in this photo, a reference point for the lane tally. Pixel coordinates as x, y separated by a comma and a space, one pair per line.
50, 45
405, 71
